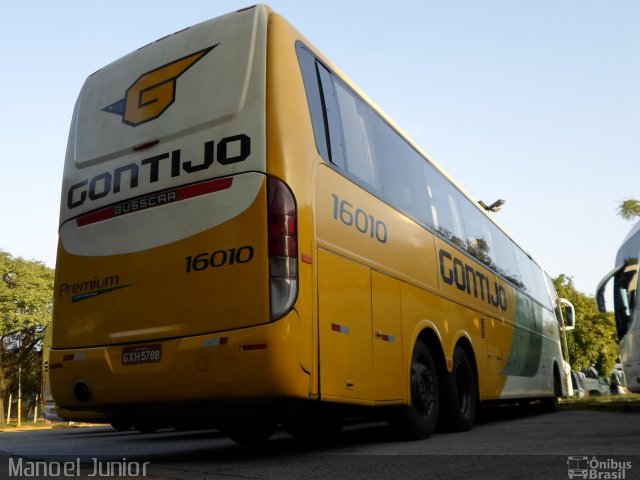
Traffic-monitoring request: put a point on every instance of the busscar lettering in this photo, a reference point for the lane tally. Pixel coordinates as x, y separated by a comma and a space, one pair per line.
229, 150
144, 202
466, 278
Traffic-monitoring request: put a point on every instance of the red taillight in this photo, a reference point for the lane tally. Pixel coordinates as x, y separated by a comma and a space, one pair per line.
283, 247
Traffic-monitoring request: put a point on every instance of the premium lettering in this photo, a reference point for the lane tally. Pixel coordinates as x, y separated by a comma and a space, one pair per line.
89, 285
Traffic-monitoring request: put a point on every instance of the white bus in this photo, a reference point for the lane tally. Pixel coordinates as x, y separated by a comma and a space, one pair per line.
625, 300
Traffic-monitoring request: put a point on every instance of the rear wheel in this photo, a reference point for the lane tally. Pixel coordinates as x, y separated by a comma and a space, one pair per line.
550, 404
147, 427
121, 426
320, 428
418, 420
460, 394
256, 431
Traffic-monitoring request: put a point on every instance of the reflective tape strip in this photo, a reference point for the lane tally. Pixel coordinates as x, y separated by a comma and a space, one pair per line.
340, 328
214, 342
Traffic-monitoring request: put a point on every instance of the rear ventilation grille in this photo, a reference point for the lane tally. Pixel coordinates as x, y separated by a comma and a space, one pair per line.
483, 328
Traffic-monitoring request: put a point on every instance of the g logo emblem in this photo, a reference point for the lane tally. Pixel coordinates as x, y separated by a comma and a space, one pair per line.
154, 91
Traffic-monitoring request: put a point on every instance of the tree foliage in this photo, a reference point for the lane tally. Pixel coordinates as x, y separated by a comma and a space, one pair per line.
26, 303
593, 342
629, 209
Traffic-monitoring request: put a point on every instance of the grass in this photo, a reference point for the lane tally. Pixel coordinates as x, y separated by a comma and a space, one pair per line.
13, 425
39, 425
613, 403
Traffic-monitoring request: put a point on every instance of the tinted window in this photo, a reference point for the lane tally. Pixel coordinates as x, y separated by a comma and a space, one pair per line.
540, 293
505, 257
443, 202
478, 238
358, 140
525, 275
360, 158
310, 78
401, 171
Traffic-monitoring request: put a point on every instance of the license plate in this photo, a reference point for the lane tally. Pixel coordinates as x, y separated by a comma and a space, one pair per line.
141, 354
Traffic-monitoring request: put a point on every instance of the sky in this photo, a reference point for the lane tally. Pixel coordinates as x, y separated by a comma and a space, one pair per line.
536, 102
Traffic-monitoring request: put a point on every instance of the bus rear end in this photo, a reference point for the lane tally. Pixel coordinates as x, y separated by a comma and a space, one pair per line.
177, 252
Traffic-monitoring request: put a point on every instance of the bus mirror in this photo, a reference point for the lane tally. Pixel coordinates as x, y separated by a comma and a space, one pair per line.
568, 313
602, 306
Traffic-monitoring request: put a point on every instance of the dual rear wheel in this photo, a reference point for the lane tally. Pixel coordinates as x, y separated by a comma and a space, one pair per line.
438, 397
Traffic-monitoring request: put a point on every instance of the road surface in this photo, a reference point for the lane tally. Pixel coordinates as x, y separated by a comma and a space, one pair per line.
585, 444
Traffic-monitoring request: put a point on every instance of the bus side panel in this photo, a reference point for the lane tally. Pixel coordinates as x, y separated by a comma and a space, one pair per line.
345, 327
477, 297
367, 250
535, 345
630, 354
451, 321
388, 339
352, 222
361, 331
292, 155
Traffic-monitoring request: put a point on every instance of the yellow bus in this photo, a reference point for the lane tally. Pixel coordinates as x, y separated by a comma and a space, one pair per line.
245, 238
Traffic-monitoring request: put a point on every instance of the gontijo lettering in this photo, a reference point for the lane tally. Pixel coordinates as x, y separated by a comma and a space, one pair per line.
469, 280
111, 182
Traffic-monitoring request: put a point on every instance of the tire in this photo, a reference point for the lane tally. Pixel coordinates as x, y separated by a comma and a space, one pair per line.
147, 427
460, 394
418, 420
320, 426
258, 431
550, 404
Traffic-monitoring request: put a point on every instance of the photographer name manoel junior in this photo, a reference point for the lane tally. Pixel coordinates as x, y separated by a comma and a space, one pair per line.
20, 468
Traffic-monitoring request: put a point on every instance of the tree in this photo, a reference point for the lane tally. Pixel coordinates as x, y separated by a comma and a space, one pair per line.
629, 209
594, 339
26, 303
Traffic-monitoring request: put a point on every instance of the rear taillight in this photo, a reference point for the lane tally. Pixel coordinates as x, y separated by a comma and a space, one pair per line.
283, 247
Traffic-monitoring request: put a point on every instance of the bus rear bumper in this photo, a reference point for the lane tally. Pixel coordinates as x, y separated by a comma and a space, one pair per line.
260, 362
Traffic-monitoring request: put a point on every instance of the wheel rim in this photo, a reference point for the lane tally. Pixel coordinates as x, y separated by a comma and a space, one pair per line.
424, 392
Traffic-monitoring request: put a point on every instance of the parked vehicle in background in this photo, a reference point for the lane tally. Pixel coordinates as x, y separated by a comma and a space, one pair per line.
625, 290
594, 383
618, 382
577, 384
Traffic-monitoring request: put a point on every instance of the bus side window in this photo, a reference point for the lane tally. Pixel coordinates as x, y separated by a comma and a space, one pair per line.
311, 79
333, 122
633, 290
526, 274
478, 241
400, 171
505, 256
541, 293
625, 289
357, 140
444, 207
